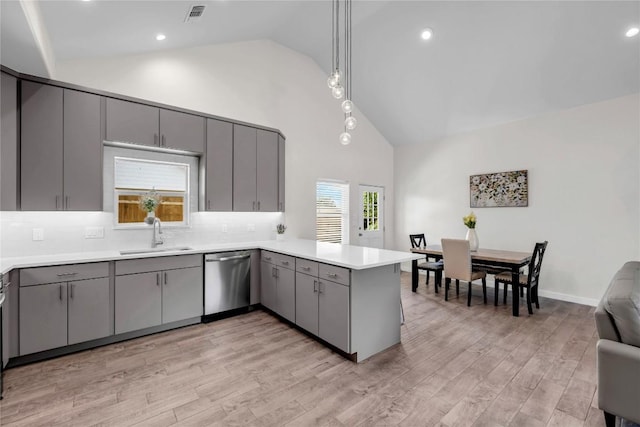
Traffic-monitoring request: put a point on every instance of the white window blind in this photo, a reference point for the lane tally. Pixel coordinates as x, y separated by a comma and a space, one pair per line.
148, 174
332, 212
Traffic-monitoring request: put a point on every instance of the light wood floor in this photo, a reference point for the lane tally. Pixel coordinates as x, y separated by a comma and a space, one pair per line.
456, 366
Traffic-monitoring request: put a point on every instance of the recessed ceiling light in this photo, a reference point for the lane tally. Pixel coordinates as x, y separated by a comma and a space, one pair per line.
160, 37
426, 34
633, 31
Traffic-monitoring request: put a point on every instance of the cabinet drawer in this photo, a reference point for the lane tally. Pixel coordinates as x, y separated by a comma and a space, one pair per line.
143, 265
280, 260
334, 274
307, 267
63, 273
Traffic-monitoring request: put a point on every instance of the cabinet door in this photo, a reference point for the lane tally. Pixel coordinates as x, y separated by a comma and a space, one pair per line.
244, 168
8, 143
219, 166
82, 152
89, 310
286, 294
43, 317
333, 314
267, 171
268, 285
307, 302
182, 131
182, 294
6, 318
281, 174
41, 147
138, 301
132, 122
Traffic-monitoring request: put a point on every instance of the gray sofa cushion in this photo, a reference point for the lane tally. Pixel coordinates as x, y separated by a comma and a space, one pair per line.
622, 302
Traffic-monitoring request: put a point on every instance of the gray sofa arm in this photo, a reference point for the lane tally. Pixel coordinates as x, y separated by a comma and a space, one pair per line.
619, 379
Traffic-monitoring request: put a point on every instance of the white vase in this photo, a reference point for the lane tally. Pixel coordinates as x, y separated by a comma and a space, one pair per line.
472, 237
150, 217
280, 237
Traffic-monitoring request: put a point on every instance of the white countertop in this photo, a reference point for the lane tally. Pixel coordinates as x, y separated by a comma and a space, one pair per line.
354, 257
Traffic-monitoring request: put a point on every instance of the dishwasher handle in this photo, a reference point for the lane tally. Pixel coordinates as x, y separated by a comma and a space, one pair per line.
229, 258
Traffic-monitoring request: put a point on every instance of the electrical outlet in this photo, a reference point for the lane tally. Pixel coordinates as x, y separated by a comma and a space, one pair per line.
94, 233
225, 228
38, 234
251, 227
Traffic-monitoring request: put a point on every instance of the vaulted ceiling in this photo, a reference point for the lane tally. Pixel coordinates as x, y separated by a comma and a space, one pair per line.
488, 62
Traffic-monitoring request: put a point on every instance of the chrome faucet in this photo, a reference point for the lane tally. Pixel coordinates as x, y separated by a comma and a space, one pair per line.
157, 237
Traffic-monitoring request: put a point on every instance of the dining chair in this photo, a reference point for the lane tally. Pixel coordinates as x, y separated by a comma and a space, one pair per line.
420, 241
457, 265
529, 281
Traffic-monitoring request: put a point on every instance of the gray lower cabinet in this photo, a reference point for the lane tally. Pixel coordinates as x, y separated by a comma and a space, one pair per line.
278, 284
182, 294
322, 306
333, 313
138, 301
61, 149
307, 302
137, 123
219, 166
55, 311
146, 296
255, 170
8, 143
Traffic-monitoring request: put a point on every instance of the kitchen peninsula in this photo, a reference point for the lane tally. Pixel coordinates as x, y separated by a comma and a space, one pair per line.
347, 296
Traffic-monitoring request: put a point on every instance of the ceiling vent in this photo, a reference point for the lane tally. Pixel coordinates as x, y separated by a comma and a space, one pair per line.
194, 14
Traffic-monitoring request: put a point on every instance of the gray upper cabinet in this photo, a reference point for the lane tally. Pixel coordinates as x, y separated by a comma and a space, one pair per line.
281, 174
143, 124
182, 131
219, 166
8, 143
244, 168
132, 122
41, 147
255, 170
82, 182
267, 171
61, 150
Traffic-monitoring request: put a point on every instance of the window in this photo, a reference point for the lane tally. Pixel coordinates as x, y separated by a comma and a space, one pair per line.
167, 181
370, 211
332, 212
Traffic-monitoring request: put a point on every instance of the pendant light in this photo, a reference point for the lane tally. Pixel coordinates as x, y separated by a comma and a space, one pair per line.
340, 82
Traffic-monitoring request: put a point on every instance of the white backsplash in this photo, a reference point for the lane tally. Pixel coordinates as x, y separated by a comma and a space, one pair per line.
64, 232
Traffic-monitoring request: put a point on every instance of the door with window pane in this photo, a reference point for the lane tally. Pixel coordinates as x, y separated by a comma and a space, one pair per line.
371, 212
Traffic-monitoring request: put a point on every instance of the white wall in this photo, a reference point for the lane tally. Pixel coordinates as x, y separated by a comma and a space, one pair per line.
584, 192
264, 83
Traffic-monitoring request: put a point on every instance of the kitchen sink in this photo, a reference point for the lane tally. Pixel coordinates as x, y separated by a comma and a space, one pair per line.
155, 250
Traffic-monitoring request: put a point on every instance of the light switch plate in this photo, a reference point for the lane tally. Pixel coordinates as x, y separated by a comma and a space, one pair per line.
94, 232
38, 234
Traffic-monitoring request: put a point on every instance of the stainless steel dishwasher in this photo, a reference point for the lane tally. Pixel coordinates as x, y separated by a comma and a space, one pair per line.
227, 281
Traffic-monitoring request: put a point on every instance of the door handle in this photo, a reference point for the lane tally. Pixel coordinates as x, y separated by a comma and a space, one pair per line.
57, 201
66, 202
164, 141
60, 291
229, 258
258, 205
315, 286
157, 279
71, 286
253, 207
166, 282
209, 204
319, 287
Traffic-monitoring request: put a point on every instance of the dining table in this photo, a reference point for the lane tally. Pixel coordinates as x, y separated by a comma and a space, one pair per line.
492, 259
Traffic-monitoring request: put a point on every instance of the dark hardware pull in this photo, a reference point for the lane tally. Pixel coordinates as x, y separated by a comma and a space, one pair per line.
60, 291
166, 282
